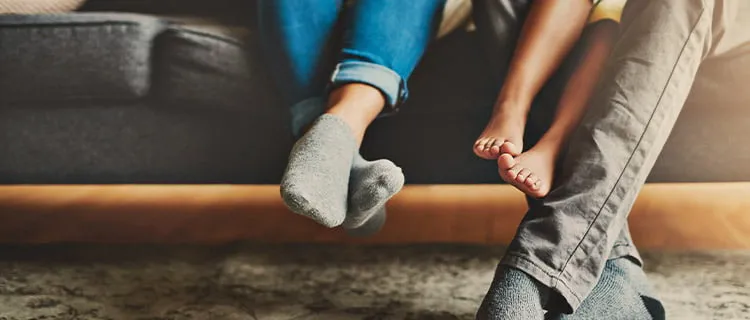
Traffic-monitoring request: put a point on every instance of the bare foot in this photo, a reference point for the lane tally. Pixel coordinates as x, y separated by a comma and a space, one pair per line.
531, 172
503, 134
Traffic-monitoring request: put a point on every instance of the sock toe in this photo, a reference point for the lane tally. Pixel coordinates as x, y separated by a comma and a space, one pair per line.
372, 184
315, 183
371, 226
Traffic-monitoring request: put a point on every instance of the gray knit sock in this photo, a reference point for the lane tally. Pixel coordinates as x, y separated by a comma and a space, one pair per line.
622, 293
316, 181
513, 295
371, 185
371, 226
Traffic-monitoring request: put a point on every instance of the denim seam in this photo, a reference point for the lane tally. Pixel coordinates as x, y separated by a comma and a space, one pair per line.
635, 149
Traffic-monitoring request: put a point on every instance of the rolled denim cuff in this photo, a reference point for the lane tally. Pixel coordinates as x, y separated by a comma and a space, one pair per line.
382, 78
305, 112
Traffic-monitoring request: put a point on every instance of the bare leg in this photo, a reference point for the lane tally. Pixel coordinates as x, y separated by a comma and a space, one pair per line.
532, 172
550, 31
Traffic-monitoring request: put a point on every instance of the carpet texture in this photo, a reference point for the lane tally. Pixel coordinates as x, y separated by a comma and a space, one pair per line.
250, 281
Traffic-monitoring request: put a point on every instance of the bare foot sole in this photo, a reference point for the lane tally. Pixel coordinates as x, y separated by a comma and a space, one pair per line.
504, 134
531, 172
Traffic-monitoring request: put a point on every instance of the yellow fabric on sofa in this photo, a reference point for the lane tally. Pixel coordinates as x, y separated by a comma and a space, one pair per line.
607, 10
38, 6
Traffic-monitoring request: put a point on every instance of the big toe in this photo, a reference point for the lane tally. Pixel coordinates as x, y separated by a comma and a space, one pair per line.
505, 162
510, 148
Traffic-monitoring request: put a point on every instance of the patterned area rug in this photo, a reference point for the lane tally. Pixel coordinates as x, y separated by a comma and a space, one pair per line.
312, 282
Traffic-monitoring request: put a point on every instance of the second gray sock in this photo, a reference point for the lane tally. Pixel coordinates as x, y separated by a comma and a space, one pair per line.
316, 181
371, 185
371, 226
622, 293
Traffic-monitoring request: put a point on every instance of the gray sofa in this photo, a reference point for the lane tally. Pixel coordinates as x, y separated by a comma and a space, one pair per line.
151, 94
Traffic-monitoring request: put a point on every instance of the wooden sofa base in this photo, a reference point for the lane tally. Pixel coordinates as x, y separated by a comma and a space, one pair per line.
666, 216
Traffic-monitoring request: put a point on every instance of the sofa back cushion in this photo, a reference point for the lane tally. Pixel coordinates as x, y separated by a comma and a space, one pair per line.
75, 57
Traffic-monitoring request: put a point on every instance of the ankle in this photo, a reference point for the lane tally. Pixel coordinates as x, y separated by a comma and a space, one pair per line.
356, 123
511, 110
357, 104
551, 143
364, 99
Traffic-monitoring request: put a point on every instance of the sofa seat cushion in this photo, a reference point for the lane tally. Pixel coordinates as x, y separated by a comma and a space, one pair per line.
75, 57
138, 143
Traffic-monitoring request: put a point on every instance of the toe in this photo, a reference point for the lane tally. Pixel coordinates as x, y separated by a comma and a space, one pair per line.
530, 181
479, 146
512, 173
537, 184
521, 177
505, 161
490, 142
538, 191
511, 148
495, 148
507, 174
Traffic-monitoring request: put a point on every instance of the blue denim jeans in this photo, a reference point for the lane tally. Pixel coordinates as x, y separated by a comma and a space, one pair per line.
316, 45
